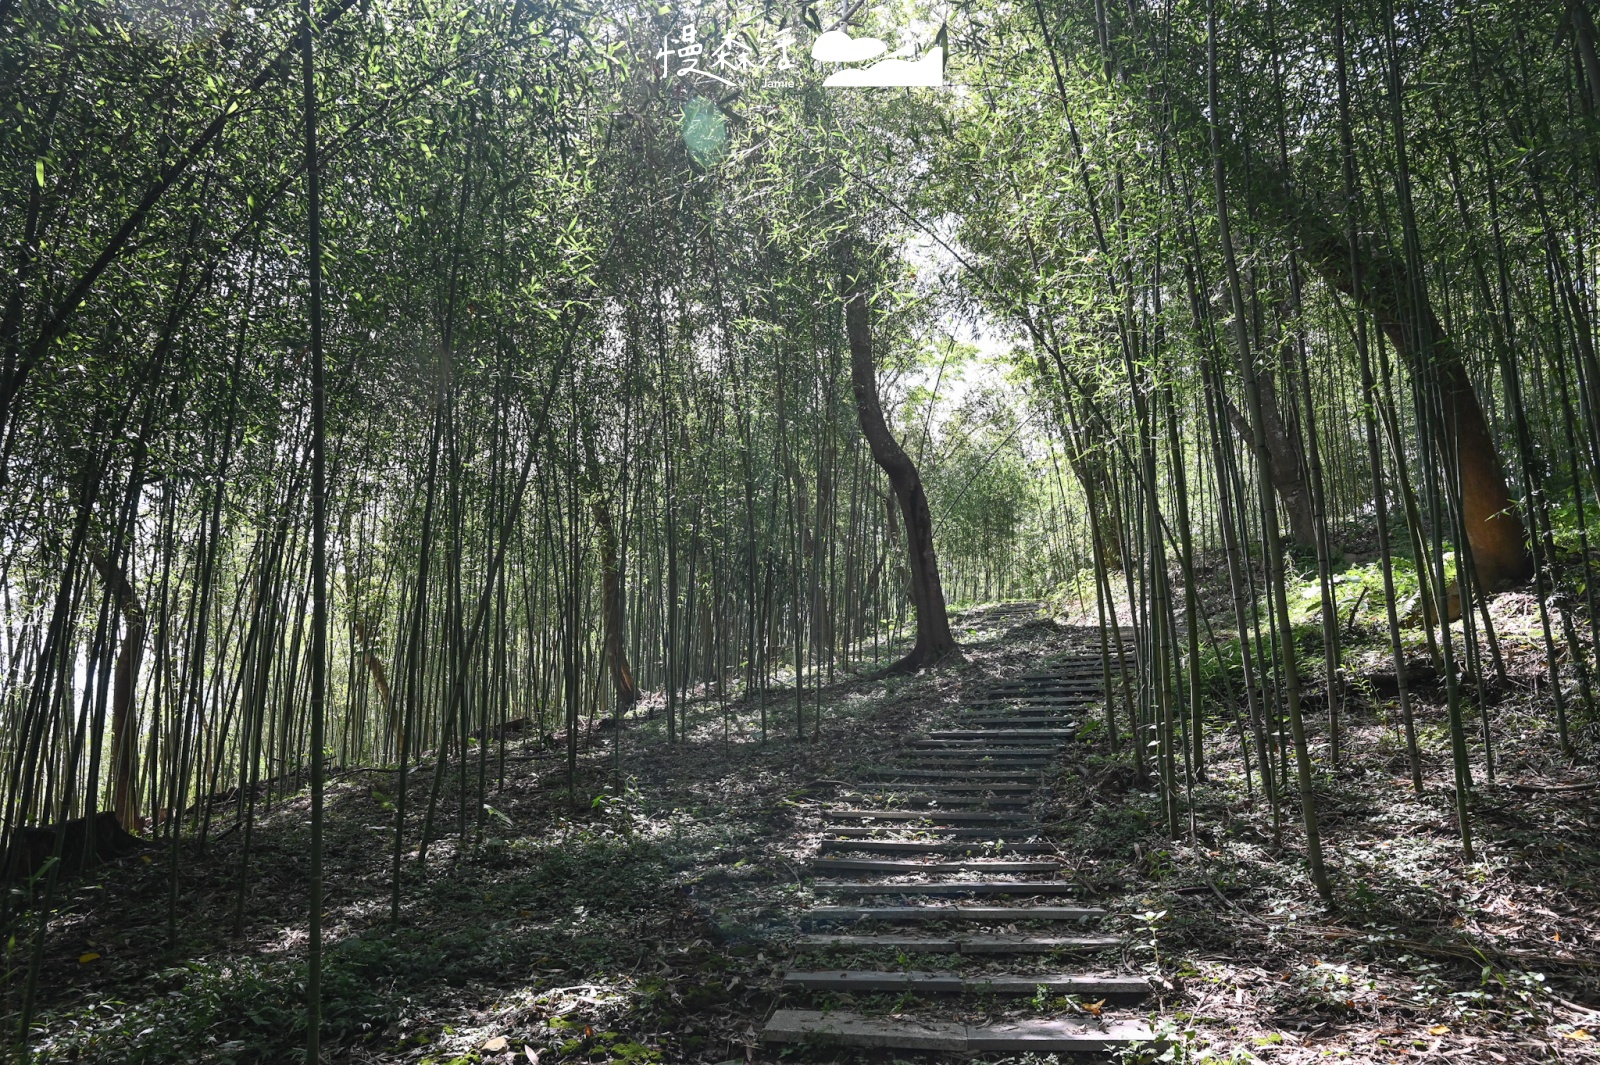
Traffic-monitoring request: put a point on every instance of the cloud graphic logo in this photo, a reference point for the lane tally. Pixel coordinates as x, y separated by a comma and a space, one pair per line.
837, 46
927, 71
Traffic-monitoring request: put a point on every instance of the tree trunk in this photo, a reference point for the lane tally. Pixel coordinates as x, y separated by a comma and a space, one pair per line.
124, 760
616, 653
1288, 474
1380, 283
362, 631
934, 641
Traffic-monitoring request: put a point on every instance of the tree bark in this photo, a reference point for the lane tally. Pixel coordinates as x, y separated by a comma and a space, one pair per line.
362, 631
627, 692
124, 756
1288, 473
1379, 282
934, 641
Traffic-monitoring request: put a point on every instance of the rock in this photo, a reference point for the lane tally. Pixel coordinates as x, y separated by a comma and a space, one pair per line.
1419, 673
87, 843
1411, 610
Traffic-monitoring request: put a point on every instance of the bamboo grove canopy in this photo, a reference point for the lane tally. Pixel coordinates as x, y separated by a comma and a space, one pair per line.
383, 376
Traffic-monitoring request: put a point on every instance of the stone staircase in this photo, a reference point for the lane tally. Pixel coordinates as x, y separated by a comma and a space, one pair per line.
938, 855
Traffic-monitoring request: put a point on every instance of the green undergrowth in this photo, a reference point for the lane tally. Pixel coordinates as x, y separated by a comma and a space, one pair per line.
591, 932
541, 930
1419, 951
511, 907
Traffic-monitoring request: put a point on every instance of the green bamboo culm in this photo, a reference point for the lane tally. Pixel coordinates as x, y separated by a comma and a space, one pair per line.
319, 532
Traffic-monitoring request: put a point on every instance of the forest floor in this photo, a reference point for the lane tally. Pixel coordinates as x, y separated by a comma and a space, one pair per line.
645, 923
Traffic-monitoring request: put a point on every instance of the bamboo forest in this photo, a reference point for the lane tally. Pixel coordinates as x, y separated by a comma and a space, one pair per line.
754, 531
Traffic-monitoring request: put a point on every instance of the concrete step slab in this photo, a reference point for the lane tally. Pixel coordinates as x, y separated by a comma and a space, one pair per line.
1121, 988
949, 816
999, 787
903, 1033
912, 846
1012, 888
1016, 717
925, 833
1024, 777
1004, 757
871, 865
852, 1030
926, 802
945, 912
993, 746
1003, 735
984, 945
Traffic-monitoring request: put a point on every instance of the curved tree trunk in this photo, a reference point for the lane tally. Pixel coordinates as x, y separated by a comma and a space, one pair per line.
1379, 283
361, 630
1288, 474
934, 641
124, 741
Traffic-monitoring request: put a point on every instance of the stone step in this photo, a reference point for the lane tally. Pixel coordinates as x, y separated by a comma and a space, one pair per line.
1010, 753
1002, 604
1005, 757
914, 846
1008, 803
1025, 712
986, 945
1013, 888
1044, 1036
1058, 686
994, 746
1004, 736
957, 759
1037, 706
933, 833
1086, 677
1027, 694
1028, 777
1066, 726
1017, 606
869, 865
940, 912
999, 787
1016, 721
957, 816
1038, 748
1076, 675
923, 801
1053, 689
969, 765
901, 774
930, 983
